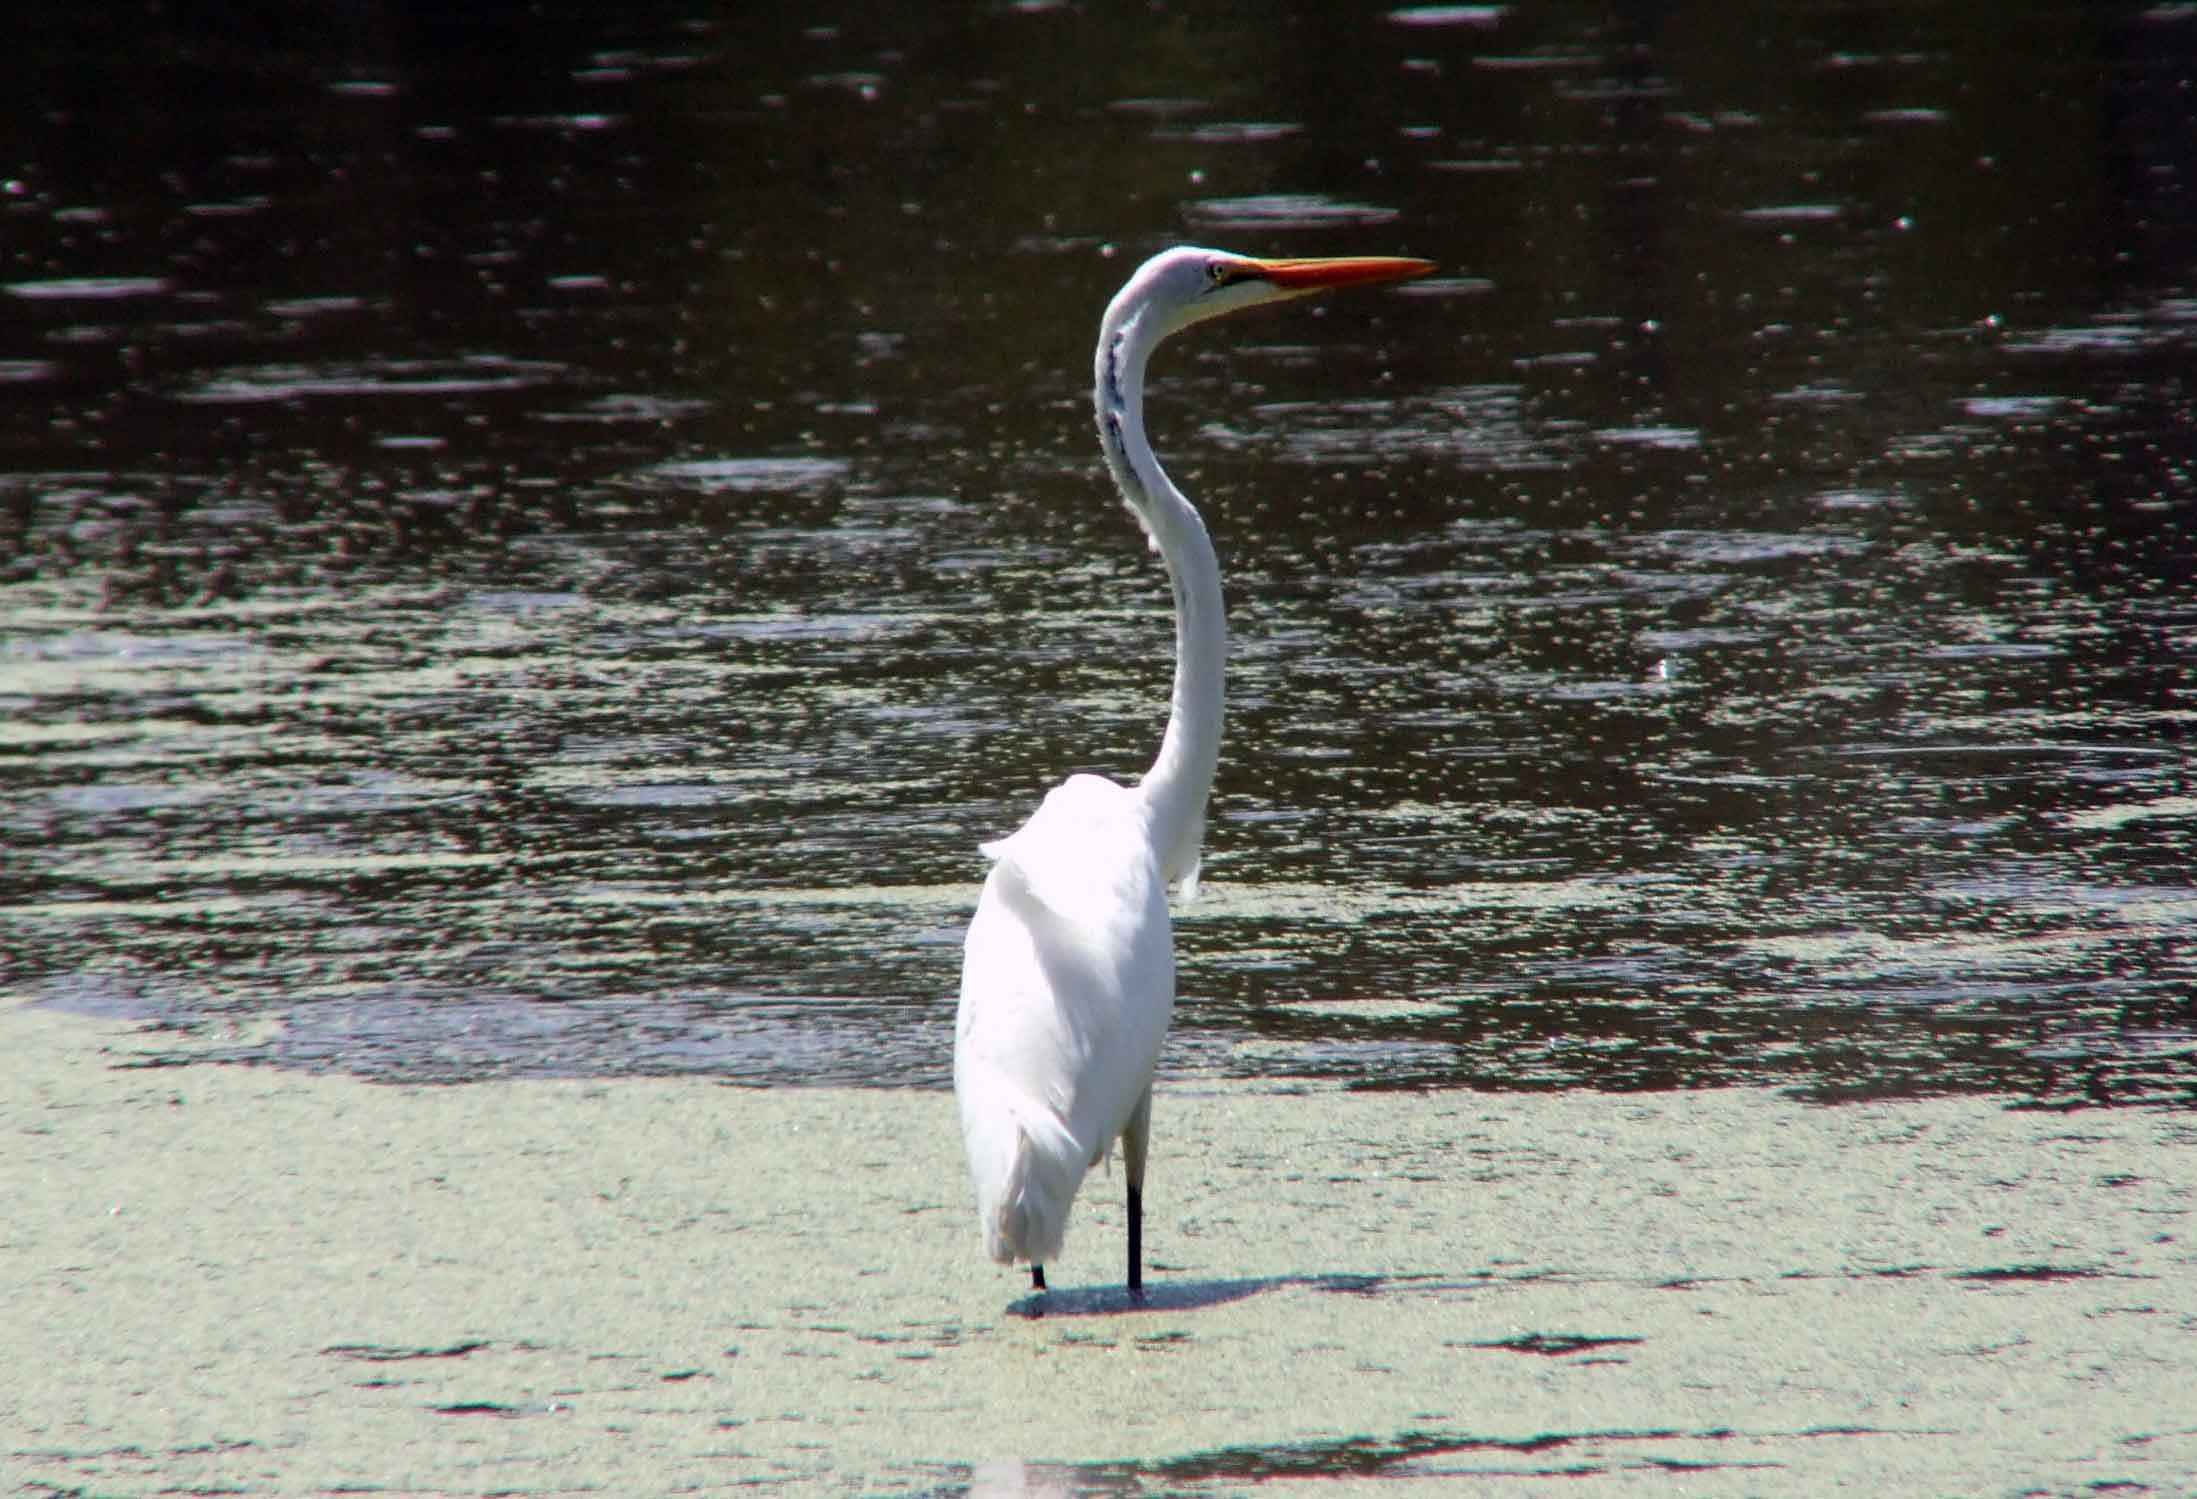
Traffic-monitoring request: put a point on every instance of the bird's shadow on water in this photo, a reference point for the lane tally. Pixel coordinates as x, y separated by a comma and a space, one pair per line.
1179, 1295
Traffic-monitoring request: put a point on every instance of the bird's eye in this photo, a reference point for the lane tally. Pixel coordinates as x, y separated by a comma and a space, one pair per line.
1217, 272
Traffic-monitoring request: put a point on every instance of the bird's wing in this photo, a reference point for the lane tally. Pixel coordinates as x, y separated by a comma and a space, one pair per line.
1068, 973
1080, 857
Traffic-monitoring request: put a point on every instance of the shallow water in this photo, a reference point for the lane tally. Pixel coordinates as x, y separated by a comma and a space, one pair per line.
535, 546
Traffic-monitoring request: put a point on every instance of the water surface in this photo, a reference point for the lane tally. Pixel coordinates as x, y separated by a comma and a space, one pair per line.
538, 545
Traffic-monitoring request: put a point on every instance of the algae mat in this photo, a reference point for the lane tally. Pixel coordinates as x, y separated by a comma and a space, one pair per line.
252, 1281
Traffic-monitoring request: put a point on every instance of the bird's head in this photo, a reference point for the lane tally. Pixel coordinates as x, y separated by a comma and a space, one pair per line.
1187, 285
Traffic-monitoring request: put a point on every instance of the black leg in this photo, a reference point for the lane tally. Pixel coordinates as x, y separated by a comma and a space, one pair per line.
1037, 1277
1136, 1241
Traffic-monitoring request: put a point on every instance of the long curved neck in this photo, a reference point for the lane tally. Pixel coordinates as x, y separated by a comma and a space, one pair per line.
1175, 788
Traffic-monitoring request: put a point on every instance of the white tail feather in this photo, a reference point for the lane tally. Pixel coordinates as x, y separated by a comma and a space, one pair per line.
1025, 1185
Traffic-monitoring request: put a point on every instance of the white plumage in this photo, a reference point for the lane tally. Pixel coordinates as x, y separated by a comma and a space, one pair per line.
1068, 972
1067, 986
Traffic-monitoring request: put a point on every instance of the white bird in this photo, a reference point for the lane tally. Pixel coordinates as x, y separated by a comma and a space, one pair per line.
1068, 971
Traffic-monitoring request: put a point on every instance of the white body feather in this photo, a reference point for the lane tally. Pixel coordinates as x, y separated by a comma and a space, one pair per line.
1068, 983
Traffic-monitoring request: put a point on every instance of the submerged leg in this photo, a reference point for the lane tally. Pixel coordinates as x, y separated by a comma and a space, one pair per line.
1037, 1277
1136, 1242
1135, 1136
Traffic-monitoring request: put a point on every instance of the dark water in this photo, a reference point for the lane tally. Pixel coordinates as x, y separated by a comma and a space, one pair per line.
540, 545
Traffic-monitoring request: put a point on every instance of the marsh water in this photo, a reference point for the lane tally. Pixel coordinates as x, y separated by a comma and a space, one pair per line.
540, 545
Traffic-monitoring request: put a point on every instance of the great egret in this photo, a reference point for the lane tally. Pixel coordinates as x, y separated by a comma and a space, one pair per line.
1068, 972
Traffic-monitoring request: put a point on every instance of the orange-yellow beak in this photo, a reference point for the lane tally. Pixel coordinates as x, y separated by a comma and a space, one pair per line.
1347, 270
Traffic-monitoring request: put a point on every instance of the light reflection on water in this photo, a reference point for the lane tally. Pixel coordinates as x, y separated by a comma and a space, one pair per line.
1727, 628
